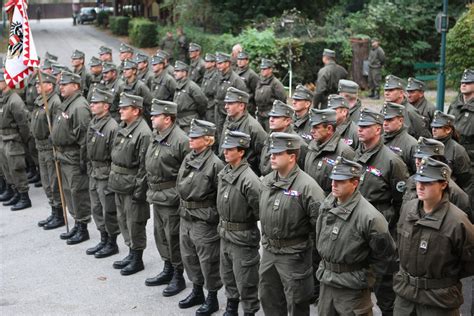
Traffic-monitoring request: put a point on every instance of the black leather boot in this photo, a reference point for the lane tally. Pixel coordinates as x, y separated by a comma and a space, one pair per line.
33, 175
125, 261
13, 200
232, 308
177, 283
57, 220
81, 235
135, 265
71, 233
109, 249
195, 298
23, 202
43, 222
211, 305
103, 240
7, 194
163, 278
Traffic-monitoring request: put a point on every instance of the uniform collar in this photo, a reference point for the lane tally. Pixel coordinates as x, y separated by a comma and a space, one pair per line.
287, 182
330, 145
127, 131
342, 211
266, 81
356, 107
365, 156
71, 99
390, 136
181, 83
159, 137
230, 175
301, 120
197, 160
434, 219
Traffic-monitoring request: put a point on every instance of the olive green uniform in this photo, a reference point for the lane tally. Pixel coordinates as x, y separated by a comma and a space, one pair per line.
95, 82
268, 90
85, 80
376, 61
144, 75
426, 109
128, 180
354, 112
209, 86
348, 132
192, 102
327, 83
404, 145
414, 121
138, 87
115, 87
162, 86
251, 80
302, 126
196, 70
168, 44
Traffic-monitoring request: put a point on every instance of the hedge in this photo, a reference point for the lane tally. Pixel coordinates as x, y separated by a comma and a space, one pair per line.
119, 25
142, 32
102, 18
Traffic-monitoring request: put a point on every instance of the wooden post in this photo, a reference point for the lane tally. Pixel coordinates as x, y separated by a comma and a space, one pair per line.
360, 52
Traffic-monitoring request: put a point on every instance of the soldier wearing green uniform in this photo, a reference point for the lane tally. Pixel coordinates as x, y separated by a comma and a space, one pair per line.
105, 54
78, 64
238, 196
209, 86
168, 43
164, 156
125, 53
196, 63
249, 77
96, 68
162, 85
328, 79
349, 90
199, 240
376, 61
302, 101
344, 125
289, 205
69, 138
113, 84
416, 96
353, 240
268, 89
128, 180
14, 134
166, 57
143, 71
435, 242
134, 86
100, 137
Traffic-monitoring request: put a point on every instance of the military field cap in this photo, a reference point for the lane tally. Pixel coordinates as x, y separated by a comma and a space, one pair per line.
2, 75
222, 57
432, 170
467, 76
329, 53
180, 66
393, 82
77, 54
69, 77
130, 100
201, 128
47, 64
302, 93
163, 107
281, 109
50, 56
428, 147
415, 84
105, 50
194, 47
210, 57
391, 110
322, 116
99, 95
164, 54
369, 117
129, 64
266, 63
157, 60
345, 169
124, 48
441, 119
95, 62
242, 55
347, 86
57, 69
47, 78
280, 142
107, 66
140, 58
236, 95
233, 139
336, 101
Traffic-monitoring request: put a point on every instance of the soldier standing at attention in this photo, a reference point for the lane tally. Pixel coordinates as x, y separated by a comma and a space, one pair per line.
166, 57
353, 240
238, 196
289, 205
249, 77
77, 62
113, 84
168, 43
416, 96
143, 70
134, 86
125, 53
128, 180
209, 86
328, 79
95, 76
105, 54
376, 61
164, 156
268, 89
344, 125
162, 85
349, 90
199, 240
196, 67
182, 45
302, 102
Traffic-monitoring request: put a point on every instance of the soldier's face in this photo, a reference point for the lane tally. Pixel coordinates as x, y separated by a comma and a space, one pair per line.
241, 63
266, 72
300, 105
46, 87
393, 95
109, 75
158, 122
209, 65
467, 88
68, 89
96, 70
128, 113
281, 161
414, 96
197, 143
125, 55
128, 73
430, 191
368, 133
234, 108
350, 98
223, 67
341, 115
343, 189
76, 62
158, 67
233, 156
105, 57
441, 132
194, 54
179, 74
278, 123
142, 65
98, 108
392, 125
320, 133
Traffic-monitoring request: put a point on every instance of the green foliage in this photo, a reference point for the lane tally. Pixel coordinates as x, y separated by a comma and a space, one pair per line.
119, 25
142, 32
460, 47
102, 18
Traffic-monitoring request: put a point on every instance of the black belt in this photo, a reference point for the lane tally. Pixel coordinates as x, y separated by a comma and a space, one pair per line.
233, 226
200, 204
425, 283
162, 186
280, 243
342, 267
124, 170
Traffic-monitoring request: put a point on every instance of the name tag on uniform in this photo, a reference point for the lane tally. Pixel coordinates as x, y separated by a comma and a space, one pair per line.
396, 150
291, 193
329, 161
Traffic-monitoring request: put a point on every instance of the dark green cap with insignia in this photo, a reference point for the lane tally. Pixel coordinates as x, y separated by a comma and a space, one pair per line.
467, 76
233, 139
180, 66
50, 56
95, 62
105, 50
130, 100
99, 95
415, 84
266, 63
345, 169
56, 69
194, 47
441, 119
428, 147
47, 64
222, 57
432, 170
336, 101
77, 54
201, 128
107, 66
47, 78
369, 117
129, 64
329, 53
124, 48
210, 57
157, 60
391, 110
347, 86
393, 82
280, 142
140, 58
236, 95
322, 116
280, 109
242, 55
69, 77
163, 107
302, 93
164, 54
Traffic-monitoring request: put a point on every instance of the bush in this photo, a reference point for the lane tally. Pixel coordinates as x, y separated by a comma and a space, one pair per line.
142, 32
102, 18
119, 25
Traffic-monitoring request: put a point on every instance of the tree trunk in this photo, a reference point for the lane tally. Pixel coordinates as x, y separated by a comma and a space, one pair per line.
360, 52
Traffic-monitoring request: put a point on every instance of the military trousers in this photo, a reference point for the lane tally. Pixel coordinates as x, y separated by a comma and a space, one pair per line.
375, 78
344, 302
132, 217
199, 244
49, 178
239, 273
14, 164
104, 210
166, 231
76, 192
286, 283
404, 307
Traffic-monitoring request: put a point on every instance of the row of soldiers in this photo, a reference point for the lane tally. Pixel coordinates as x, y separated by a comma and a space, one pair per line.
205, 213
